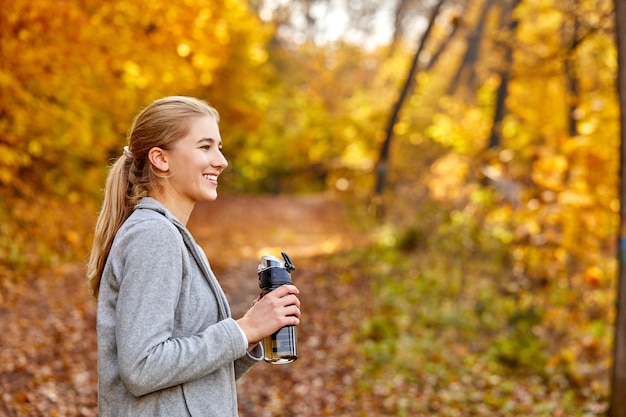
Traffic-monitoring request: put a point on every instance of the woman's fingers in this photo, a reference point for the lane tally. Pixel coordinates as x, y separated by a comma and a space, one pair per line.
293, 311
278, 308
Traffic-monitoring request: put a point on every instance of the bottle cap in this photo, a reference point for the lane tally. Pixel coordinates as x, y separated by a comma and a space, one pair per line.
268, 261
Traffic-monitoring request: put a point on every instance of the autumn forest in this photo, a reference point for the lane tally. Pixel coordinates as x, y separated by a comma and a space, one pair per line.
456, 163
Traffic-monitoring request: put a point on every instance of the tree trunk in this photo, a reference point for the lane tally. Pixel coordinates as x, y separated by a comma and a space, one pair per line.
382, 166
465, 72
505, 74
442, 47
618, 378
572, 79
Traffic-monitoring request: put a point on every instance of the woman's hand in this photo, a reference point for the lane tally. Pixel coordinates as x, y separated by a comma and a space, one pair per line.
273, 311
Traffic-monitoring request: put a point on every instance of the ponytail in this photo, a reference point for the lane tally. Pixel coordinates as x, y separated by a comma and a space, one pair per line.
116, 208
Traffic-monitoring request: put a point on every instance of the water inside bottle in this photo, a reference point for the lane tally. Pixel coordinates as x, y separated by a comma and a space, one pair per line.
280, 348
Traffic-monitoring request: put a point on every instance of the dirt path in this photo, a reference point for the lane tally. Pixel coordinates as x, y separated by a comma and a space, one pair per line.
47, 321
235, 231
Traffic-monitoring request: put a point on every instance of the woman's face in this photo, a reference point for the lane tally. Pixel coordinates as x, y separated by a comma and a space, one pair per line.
195, 162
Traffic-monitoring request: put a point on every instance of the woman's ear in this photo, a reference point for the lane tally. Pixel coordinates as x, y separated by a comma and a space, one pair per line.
158, 159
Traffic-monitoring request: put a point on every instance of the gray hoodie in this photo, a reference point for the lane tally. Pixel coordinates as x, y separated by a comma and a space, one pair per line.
167, 345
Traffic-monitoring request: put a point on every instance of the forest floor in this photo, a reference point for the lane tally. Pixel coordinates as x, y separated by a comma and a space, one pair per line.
48, 351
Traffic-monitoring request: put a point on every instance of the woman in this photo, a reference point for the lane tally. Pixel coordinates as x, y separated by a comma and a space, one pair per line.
167, 345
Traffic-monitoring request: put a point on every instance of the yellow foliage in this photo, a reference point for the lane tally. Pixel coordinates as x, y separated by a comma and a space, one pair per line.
73, 73
449, 174
549, 171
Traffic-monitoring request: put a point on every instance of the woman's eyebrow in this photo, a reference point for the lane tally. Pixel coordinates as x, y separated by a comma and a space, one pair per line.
210, 141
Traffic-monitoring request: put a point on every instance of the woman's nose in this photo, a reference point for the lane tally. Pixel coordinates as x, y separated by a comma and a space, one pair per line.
221, 161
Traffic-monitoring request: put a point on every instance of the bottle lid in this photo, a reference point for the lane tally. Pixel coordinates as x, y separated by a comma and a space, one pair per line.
268, 261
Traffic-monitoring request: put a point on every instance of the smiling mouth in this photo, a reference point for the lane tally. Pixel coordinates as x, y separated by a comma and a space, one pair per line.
210, 177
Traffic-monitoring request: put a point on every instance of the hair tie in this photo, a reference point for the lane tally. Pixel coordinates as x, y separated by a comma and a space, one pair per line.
128, 153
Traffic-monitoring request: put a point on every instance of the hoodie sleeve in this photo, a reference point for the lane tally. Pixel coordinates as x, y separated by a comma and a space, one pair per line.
243, 364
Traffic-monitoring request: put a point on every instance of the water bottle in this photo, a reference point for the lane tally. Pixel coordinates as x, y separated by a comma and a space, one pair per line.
280, 347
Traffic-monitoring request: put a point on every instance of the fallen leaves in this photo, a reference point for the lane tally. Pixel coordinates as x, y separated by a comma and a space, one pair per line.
48, 357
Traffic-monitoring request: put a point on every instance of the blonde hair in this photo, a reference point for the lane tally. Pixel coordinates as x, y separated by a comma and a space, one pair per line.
132, 176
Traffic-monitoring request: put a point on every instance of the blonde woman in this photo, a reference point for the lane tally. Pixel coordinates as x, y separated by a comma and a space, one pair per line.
167, 344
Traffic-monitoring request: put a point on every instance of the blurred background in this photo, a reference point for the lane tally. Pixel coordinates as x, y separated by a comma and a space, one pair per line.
460, 159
